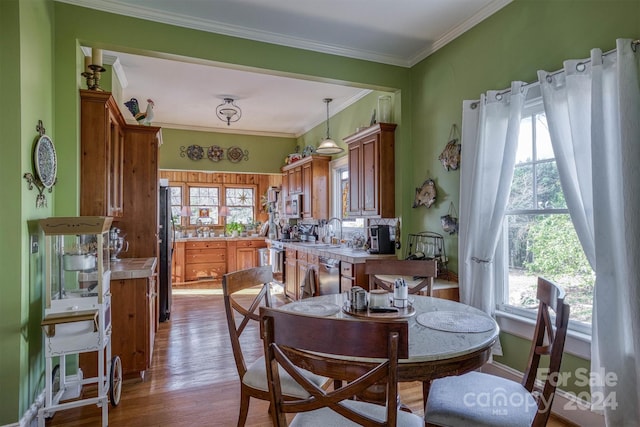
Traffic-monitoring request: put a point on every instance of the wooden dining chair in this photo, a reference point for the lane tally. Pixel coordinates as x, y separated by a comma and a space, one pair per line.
253, 377
480, 399
323, 345
419, 274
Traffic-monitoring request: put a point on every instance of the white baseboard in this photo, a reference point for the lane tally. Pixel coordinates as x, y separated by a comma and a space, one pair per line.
565, 405
72, 391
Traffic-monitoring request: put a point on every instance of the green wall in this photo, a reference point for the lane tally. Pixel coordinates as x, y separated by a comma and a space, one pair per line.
40, 65
265, 154
26, 84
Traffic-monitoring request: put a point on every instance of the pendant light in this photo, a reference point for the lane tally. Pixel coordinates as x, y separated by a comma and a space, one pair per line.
328, 146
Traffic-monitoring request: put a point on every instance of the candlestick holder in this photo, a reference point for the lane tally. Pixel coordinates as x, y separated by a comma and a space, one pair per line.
93, 77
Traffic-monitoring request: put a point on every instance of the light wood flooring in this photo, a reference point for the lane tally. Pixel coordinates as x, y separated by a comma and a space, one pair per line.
193, 381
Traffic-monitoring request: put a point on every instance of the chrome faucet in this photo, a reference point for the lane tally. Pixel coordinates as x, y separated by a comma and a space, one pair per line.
339, 221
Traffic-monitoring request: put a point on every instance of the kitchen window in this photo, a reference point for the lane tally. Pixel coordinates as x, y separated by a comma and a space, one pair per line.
241, 203
539, 238
175, 195
340, 197
204, 203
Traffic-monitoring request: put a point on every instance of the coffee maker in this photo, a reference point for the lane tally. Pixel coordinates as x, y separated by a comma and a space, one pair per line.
381, 242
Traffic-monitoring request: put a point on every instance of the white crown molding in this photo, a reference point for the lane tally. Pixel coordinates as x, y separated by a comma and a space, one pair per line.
457, 31
114, 6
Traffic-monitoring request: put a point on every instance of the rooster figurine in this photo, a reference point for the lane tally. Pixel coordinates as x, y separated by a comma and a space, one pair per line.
143, 118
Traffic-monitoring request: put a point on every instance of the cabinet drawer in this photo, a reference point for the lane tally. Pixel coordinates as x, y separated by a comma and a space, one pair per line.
206, 255
291, 253
251, 244
206, 244
302, 256
202, 270
346, 269
312, 259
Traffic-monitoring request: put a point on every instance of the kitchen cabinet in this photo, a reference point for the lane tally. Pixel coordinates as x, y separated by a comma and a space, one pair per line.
111, 150
291, 274
294, 179
205, 260
178, 262
243, 253
134, 321
101, 159
314, 185
140, 191
372, 171
351, 275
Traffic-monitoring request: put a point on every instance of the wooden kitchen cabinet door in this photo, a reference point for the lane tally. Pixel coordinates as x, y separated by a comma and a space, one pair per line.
372, 171
133, 321
101, 155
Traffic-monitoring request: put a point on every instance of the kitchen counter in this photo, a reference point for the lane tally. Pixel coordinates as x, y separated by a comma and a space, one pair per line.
340, 252
133, 268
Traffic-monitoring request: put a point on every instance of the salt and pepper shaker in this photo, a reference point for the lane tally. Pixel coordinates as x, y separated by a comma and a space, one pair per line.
400, 293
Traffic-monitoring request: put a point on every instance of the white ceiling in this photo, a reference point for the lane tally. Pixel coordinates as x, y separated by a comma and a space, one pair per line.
400, 32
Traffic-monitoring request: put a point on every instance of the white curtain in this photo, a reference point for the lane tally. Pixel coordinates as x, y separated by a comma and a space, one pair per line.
490, 130
593, 112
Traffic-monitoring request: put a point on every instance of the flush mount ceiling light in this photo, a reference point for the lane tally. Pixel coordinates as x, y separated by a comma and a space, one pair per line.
328, 146
228, 111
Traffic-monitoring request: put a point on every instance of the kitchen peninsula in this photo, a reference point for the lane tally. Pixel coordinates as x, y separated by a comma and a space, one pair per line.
347, 270
134, 317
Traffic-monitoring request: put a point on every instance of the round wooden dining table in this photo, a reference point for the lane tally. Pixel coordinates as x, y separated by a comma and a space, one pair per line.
445, 337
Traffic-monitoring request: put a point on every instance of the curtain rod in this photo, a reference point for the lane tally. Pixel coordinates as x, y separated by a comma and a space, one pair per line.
580, 66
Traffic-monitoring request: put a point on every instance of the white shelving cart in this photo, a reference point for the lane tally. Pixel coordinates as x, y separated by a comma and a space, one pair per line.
77, 316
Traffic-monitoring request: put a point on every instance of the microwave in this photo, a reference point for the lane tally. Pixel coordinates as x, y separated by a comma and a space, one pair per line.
292, 206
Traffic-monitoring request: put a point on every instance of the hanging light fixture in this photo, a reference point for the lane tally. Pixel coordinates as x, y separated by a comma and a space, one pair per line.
328, 146
228, 111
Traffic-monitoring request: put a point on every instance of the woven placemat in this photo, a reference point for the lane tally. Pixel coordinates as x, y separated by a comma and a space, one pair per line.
456, 321
313, 308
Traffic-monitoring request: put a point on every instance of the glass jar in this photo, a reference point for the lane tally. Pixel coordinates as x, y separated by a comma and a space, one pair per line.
384, 109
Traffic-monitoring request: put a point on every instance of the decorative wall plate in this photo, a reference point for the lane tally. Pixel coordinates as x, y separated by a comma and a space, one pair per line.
235, 154
46, 162
215, 153
195, 152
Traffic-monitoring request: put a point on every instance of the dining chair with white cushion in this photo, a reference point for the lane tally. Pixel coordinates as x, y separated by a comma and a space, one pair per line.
253, 377
479, 399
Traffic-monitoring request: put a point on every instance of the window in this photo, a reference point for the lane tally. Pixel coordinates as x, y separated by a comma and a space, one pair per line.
204, 203
241, 204
340, 197
539, 238
175, 194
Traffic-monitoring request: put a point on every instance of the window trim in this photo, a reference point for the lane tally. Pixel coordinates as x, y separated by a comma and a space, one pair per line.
511, 322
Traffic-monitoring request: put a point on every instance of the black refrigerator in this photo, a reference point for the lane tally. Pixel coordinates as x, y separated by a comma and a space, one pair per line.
166, 252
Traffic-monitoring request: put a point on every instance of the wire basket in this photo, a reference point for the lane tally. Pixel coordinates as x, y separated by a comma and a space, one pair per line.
428, 245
